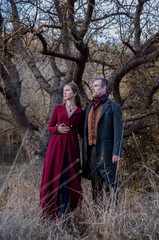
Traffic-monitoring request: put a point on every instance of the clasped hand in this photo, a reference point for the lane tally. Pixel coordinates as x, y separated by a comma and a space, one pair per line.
62, 128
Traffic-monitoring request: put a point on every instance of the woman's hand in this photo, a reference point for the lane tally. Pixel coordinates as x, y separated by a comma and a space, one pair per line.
62, 128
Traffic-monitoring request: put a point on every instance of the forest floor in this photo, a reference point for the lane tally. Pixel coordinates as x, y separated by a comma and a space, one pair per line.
135, 217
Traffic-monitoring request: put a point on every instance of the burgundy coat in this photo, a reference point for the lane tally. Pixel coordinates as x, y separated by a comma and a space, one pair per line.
59, 145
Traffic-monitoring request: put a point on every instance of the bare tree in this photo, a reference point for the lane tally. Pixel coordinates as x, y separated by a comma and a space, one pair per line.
63, 30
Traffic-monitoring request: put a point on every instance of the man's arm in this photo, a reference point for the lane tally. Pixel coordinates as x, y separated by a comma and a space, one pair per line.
118, 134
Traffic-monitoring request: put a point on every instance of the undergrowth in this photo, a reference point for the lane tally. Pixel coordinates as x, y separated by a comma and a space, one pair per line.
135, 217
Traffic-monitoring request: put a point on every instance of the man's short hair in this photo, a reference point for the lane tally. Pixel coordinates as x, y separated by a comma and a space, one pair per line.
104, 83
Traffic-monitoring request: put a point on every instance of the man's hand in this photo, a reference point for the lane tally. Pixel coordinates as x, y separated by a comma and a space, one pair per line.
115, 159
62, 128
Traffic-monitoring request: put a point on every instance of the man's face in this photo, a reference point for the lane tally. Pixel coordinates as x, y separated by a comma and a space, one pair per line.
97, 89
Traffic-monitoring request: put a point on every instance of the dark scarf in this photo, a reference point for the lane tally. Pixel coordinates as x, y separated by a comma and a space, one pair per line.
96, 101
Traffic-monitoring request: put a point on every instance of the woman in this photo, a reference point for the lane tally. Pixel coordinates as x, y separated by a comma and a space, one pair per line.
61, 178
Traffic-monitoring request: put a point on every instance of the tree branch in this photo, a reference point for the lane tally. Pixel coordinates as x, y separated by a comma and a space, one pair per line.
88, 17
127, 44
137, 24
110, 15
10, 119
60, 55
16, 22
2, 90
103, 63
151, 93
29, 59
59, 11
55, 68
151, 41
136, 127
48, 26
77, 37
140, 115
43, 41
131, 63
11, 68
7, 118
1, 24
6, 79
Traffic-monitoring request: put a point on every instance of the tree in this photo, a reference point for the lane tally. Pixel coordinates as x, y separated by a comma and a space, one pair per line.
64, 30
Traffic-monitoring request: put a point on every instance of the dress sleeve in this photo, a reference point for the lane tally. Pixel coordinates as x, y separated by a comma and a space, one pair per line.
53, 122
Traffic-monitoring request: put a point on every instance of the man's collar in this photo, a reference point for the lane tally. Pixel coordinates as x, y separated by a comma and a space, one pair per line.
104, 99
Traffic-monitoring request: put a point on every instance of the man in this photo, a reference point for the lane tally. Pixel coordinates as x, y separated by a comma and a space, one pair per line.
102, 142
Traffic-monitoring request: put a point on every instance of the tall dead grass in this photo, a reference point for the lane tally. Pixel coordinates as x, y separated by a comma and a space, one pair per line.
135, 217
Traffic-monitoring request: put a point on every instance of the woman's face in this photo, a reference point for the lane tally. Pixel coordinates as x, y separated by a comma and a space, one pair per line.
68, 93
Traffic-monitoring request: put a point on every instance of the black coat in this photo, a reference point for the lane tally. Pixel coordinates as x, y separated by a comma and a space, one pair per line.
109, 139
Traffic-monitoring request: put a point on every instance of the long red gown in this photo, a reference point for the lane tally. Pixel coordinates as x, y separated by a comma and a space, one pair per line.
62, 146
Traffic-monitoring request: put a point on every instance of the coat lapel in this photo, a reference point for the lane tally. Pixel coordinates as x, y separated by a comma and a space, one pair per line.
87, 110
64, 110
104, 108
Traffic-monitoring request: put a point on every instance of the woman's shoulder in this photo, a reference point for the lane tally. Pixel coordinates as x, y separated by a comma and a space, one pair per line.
59, 106
80, 109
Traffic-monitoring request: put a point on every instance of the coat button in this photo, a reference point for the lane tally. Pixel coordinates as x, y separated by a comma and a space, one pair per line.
71, 125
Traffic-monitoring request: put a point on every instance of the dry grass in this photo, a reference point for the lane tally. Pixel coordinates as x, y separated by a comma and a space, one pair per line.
135, 217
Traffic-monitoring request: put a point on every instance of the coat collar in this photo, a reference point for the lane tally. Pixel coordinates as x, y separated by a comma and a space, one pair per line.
77, 111
103, 110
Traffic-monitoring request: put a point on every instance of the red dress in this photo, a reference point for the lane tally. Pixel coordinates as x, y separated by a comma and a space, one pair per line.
63, 150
